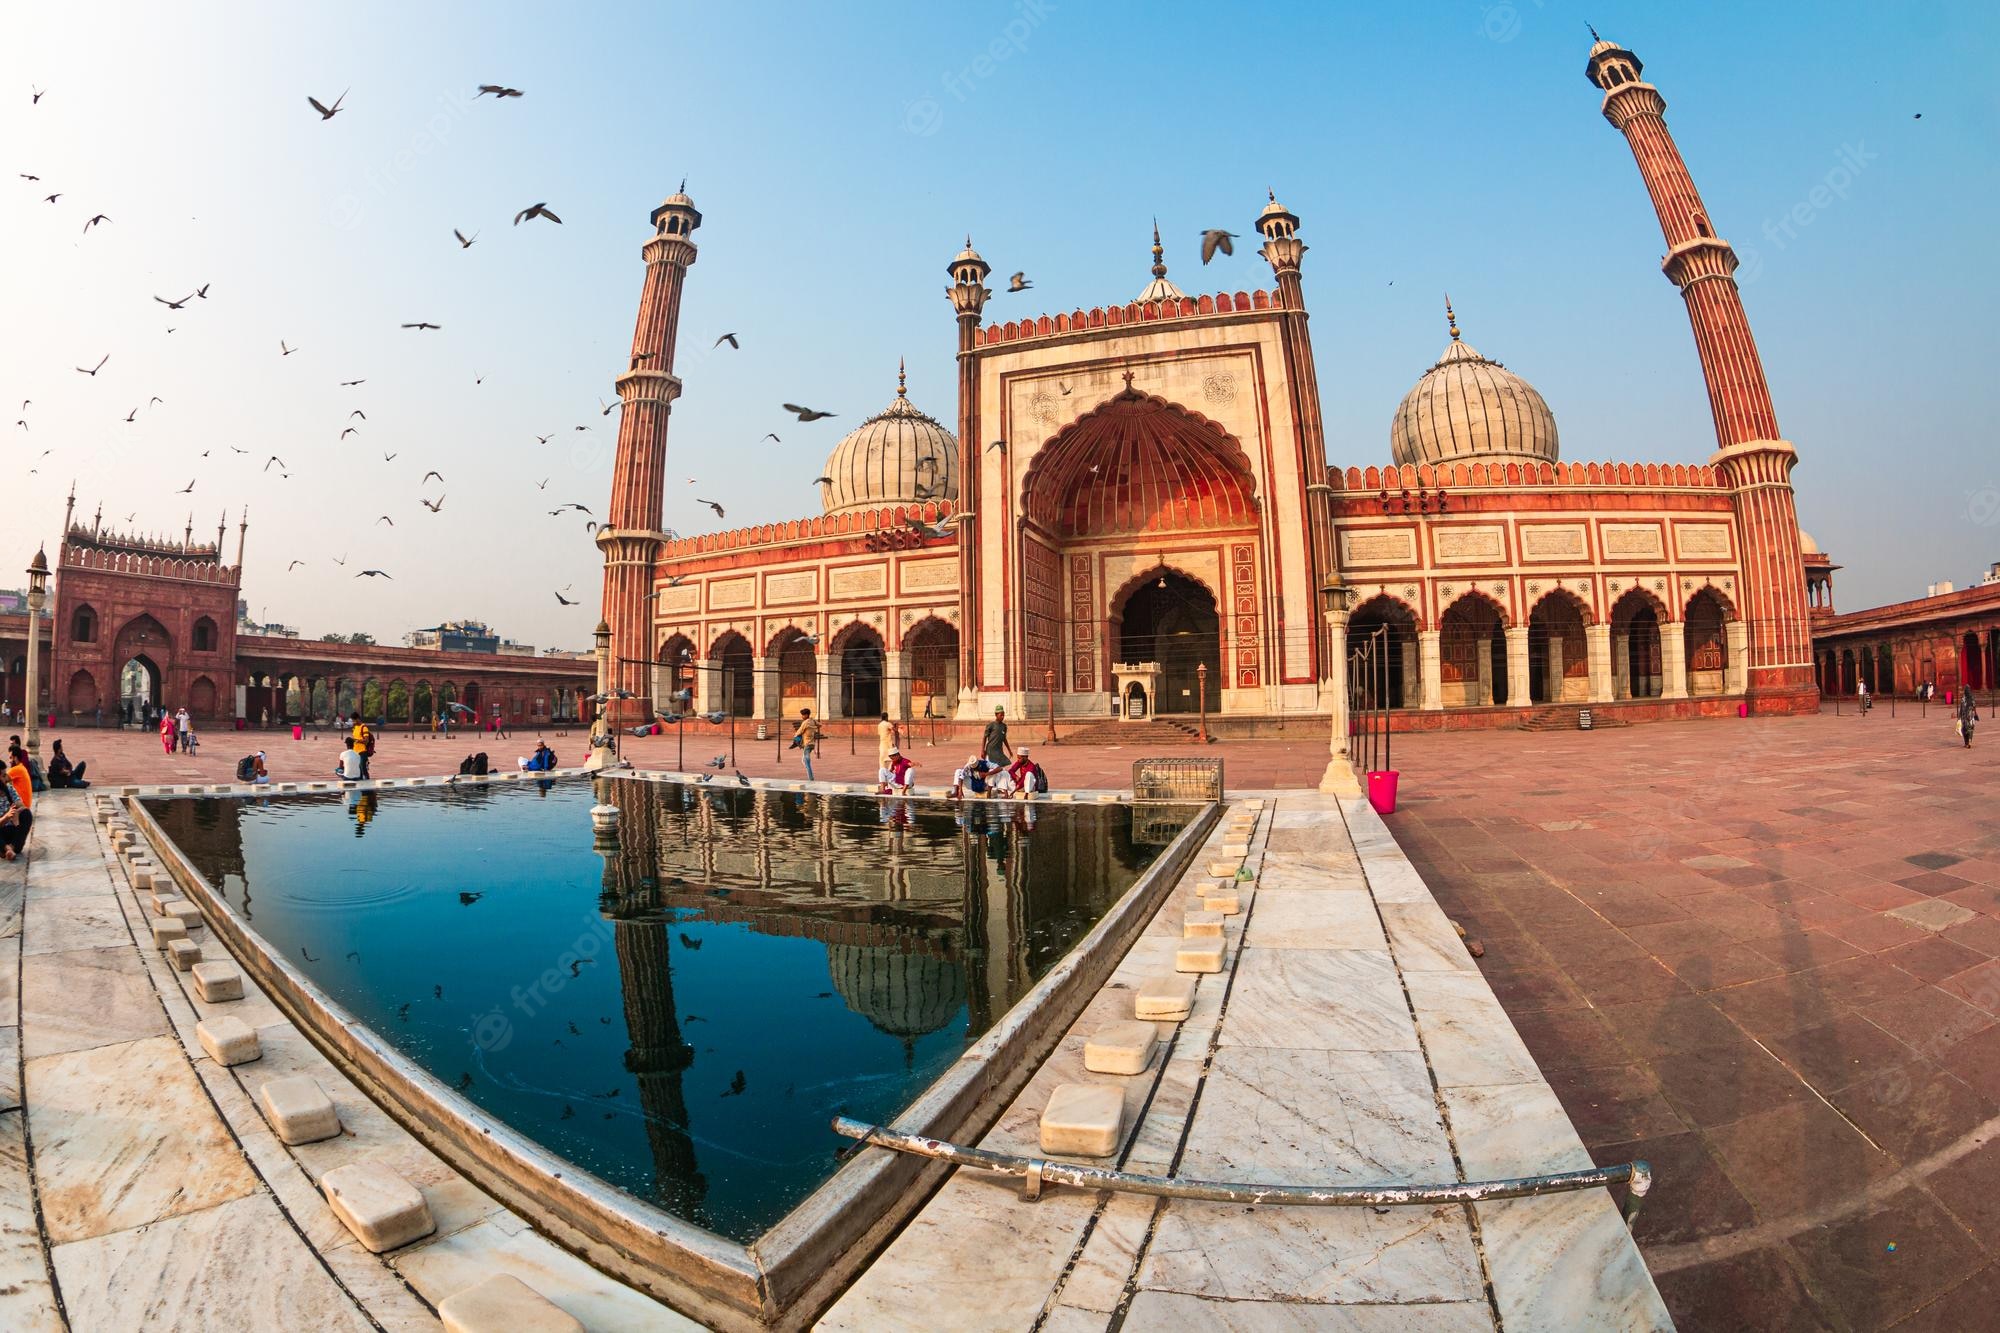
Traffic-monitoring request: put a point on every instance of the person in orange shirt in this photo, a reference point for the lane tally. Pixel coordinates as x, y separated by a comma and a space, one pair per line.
18, 774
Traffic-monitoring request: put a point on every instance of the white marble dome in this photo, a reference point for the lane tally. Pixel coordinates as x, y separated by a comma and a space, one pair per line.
898, 456
1467, 408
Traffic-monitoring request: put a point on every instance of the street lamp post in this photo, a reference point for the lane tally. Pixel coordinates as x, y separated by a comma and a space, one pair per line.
1049, 683
1337, 600
1201, 696
38, 596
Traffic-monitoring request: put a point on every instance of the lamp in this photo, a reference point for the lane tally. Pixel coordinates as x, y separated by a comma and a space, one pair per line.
38, 596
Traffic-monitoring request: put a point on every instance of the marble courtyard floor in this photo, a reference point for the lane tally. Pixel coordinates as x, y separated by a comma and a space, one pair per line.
1765, 956
1349, 1039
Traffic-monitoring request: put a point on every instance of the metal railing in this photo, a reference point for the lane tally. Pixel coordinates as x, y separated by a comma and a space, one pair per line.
1036, 1172
1368, 702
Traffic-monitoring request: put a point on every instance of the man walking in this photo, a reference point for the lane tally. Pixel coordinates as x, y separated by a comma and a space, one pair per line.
806, 737
994, 743
181, 729
1968, 715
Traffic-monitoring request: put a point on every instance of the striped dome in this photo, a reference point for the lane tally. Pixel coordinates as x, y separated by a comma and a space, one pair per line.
1467, 407
902, 994
898, 456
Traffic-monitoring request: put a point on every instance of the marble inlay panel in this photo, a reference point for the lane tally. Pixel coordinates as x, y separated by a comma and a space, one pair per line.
233, 1266
27, 1300
60, 925
1169, 1309
124, 1135
1317, 1117
1565, 1262
1307, 919
1318, 999
72, 1001
1234, 1253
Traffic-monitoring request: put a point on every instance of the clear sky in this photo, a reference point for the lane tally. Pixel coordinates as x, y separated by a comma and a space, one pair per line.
839, 155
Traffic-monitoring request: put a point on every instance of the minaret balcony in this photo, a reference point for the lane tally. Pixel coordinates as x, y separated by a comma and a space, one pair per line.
1629, 101
648, 386
1698, 258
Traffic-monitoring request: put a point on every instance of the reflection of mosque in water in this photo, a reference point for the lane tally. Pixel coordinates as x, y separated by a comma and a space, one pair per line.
924, 911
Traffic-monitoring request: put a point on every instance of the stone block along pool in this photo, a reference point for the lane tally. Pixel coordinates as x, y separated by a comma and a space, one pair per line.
678, 1007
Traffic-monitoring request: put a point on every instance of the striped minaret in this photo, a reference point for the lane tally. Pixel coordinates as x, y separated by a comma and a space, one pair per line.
968, 295
631, 538
1751, 456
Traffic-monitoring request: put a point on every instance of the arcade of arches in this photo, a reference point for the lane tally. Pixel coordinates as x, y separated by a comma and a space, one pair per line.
1475, 658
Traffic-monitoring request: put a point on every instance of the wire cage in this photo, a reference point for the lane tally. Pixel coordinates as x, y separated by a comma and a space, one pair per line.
1183, 780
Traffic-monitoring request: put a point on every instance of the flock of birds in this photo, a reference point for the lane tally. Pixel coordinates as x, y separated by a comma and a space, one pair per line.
1214, 241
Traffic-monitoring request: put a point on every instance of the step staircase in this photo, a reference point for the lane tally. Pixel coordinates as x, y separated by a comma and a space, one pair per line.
1562, 717
1154, 731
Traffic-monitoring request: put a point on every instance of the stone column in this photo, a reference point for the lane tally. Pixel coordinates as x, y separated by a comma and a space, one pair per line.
1673, 660
763, 686
707, 685
826, 688
1622, 684
1735, 673
1519, 691
896, 684
1482, 653
1339, 779
1597, 645
1432, 670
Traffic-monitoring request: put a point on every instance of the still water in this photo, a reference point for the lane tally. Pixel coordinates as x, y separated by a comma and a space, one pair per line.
680, 1012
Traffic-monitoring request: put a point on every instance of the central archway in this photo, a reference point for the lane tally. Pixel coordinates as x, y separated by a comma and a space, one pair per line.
1139, 464
138, 687
1171, 619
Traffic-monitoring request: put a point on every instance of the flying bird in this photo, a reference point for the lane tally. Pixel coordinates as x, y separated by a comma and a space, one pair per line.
388, 458
234, 450
608, 406
185, 489
572, 505
543, 484
772, 438
341, 560
806, 413
564, 600
351, 430
26, 177
327, 112
52, 198
156, 399
1019, 283
542, 439
272, 459
434, 508
579, 428
822, 481
997, 444
433, 473
386, 519
174, 305
464, 241
729, 338
282, 349
736, 1085
294, 565
420, 325
202, 291
94, 221
35, 94
1064, 387
348, 384
536, 211
129, 415
373, 574
496, 90
1215, 239
357, 412
711, 504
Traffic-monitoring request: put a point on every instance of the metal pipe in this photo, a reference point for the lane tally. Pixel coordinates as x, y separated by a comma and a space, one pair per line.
1036, 1172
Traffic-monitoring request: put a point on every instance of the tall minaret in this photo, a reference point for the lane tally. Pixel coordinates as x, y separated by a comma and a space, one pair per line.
631, 536
968, 296
1756, 463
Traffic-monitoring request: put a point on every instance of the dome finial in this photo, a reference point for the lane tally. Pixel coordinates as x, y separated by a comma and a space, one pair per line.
902, 389
1451, 320
1159, 252
1593, 31
1272, 195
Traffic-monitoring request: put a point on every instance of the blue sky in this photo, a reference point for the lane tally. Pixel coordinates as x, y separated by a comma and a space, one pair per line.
840, 154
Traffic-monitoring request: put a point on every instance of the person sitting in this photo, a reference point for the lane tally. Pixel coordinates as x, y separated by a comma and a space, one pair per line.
975, 778
349, 766
545, 756
62, 773
897, 774
260, 772
1028, 776
15, 822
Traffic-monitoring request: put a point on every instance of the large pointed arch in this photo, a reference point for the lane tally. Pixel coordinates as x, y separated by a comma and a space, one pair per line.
1139, 463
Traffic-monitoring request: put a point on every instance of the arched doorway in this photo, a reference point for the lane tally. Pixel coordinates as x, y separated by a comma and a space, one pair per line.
1558, 656
1975, 663
798, 670
1171, 619
138, 688
737, 689
675, 679
860, 651
1386, 675
1636, 669
82, 695
930, 656
1708, 646
1472, 654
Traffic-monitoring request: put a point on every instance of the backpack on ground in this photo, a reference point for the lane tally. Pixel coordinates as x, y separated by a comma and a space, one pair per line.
246, 768
465, 766
479, 765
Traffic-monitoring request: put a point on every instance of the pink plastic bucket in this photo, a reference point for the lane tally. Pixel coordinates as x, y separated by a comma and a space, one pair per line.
1382, 790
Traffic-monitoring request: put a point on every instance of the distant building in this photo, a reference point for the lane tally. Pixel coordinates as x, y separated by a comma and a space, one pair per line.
456, 636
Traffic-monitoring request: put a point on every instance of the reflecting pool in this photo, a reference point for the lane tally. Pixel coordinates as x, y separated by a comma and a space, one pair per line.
681, 1009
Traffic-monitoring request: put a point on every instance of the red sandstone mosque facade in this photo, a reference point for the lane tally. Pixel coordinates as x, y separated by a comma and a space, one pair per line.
1136, 515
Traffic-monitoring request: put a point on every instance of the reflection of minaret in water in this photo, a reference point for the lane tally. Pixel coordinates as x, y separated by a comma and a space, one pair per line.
658, 1055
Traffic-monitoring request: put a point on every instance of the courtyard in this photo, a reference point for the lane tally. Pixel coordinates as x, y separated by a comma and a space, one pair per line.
1760, 955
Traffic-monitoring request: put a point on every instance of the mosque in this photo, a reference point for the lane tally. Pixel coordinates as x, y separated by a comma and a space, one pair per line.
1133, 515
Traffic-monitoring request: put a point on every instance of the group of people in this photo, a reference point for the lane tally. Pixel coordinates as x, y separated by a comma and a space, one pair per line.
177, 733
17, 799
352, 766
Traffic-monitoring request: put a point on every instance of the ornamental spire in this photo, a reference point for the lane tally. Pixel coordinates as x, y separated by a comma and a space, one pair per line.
1159, 252
1451, 320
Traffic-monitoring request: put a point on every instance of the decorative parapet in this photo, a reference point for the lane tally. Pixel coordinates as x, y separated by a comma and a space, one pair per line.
1133, 312
1639, 476
889, 519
